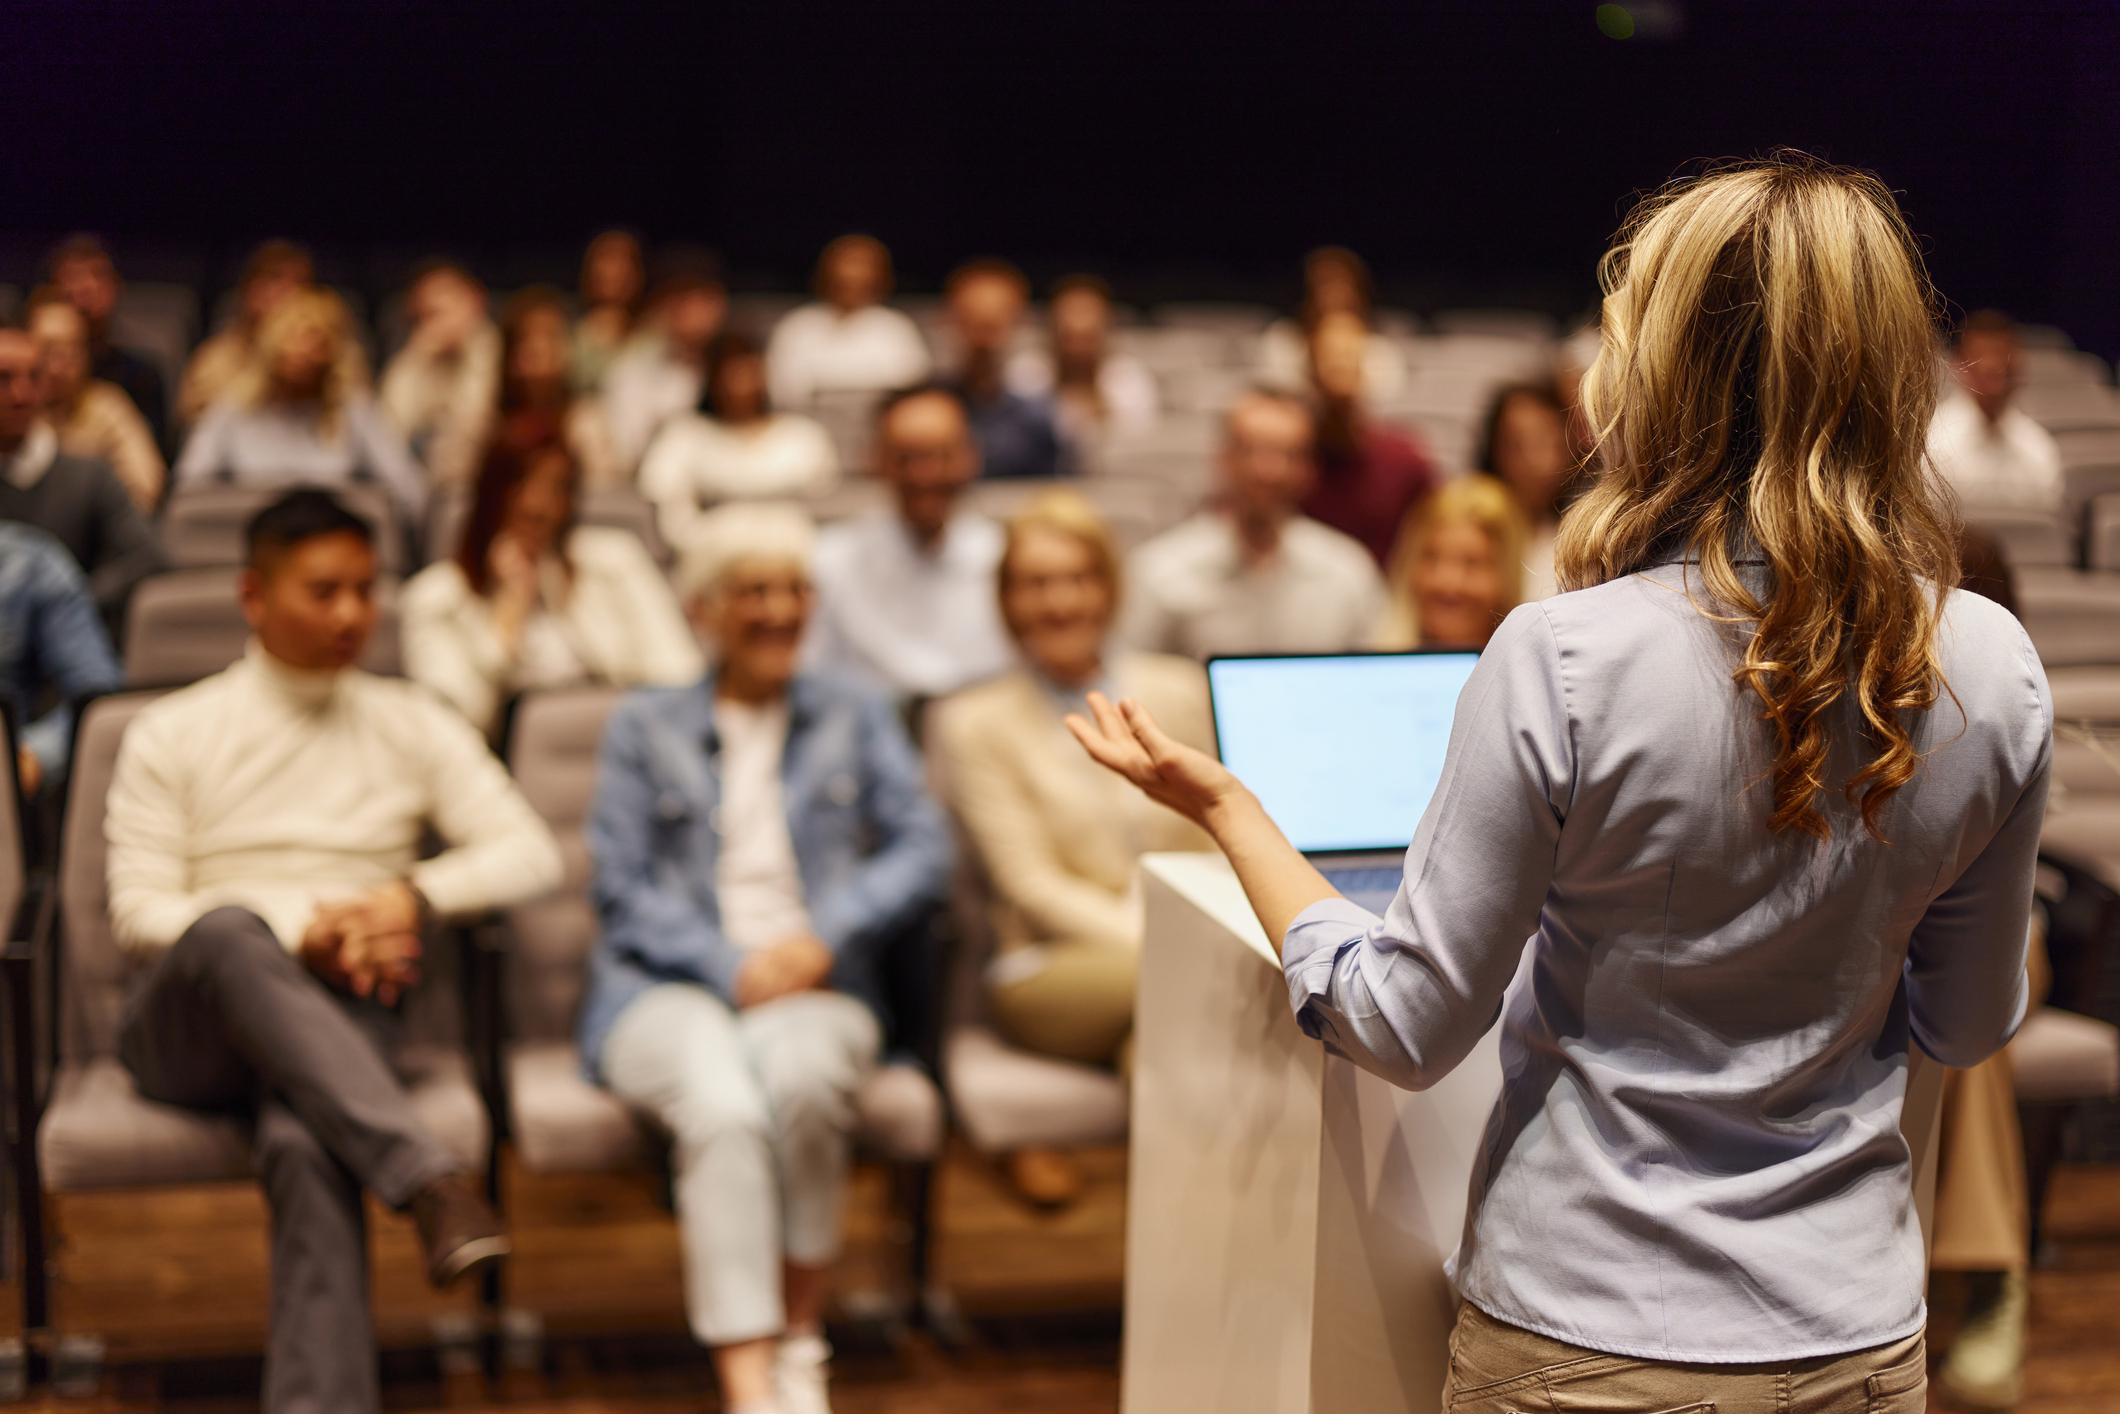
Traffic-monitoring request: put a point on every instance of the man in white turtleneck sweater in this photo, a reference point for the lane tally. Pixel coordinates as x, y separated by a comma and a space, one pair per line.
264, 826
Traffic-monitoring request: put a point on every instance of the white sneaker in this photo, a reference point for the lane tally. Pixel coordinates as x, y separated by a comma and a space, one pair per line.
1985, 1367
801, 1370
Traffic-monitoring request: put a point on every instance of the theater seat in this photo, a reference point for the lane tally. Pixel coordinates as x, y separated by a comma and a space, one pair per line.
203, 525
2061, 1055
188, 624
1007, 1098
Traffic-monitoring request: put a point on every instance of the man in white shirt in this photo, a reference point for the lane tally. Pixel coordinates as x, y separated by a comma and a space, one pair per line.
906, 597
663, 372
847, 340
1253, 574
263, 828
1993, 455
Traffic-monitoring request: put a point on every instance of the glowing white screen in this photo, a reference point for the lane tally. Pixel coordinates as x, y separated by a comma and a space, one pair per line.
1343, 752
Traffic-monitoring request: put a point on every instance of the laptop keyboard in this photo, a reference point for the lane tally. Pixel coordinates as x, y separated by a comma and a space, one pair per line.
1372, 888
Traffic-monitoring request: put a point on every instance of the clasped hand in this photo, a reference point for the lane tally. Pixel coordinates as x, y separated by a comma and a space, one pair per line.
370, 945
797, 963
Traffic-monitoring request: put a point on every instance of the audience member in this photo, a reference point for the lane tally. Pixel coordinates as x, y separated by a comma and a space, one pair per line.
1458, 569
534, 382
906, 595
1992, 454
81, 269
76, 500
735, 447
438, 390
262, 828
1252, 573
53, 650
762, 844
532, 599
1335, 281
274, 271
1526, 445
301, 413
1092, 388
847, 340
663, 372
1057, 835
92, 418
611, 285
1369, 475
1018, 436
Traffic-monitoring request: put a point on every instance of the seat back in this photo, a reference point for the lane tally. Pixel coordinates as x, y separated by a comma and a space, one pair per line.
2029, 537
552, 751
971, 898
619, 507
94, 969
204, 523
188, 624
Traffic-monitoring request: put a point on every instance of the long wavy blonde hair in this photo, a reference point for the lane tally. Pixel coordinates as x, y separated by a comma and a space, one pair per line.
1763, 392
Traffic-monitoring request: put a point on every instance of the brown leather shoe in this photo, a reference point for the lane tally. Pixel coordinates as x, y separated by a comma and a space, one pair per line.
1046, 1177
459, 1232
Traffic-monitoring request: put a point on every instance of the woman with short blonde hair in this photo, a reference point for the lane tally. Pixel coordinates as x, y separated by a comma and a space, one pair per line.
1458, 568
1764, 793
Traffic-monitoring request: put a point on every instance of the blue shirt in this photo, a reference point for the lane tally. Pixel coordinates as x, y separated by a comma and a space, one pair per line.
1018, 437
1696, 1154
51, 642
872, 848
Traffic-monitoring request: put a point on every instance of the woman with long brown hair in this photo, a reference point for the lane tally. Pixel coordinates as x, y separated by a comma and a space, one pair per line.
1763, 791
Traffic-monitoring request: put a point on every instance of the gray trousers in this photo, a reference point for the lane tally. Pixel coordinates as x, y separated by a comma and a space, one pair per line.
229, 1020
759, 1105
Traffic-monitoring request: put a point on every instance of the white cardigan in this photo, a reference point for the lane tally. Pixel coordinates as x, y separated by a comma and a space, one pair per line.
619, 616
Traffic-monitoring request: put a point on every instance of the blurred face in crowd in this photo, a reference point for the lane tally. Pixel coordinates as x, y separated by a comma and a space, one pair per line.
61, 335
854, 273
1338, 345
301, 361
1267, 466
924, 450
611, 271
21, 388
1531, 452
312, 605
538, 357
1457, 584
1335, 287
1987, 367
756, 615
1082, 321
541, 504
740, 388
986, 308
1058, 603
265, 291
447, 308
90, 284
692, 317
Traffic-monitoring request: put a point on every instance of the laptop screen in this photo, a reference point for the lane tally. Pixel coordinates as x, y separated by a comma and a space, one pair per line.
1343, 751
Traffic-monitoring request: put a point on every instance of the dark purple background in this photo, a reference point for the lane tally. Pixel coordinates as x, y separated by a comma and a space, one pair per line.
1476, 152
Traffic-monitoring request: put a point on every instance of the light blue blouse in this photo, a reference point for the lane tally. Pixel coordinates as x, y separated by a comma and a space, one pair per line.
1696, 1154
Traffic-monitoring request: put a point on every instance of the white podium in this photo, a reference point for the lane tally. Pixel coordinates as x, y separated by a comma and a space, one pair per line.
1288, 1214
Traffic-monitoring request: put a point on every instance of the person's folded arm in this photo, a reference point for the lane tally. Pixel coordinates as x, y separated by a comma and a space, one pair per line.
500, 850
70, 645
910, 870
149, 865
449, 645
646, 916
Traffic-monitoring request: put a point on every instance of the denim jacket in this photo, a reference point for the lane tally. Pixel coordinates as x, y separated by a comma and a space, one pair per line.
872, 848
50, 640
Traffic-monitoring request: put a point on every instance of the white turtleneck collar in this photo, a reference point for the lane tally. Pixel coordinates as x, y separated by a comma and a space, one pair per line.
303, 688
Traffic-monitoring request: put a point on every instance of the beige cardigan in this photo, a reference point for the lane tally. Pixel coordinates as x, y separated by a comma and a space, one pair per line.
621, 620
1058, 835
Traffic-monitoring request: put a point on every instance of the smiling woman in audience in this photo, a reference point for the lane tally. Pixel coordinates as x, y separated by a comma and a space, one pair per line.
91, 418
1527, 447
301, 412
1057, 837
534, 600
735, 447
1458, 569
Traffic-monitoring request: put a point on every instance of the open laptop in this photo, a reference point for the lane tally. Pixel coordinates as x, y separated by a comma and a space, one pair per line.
1343, 750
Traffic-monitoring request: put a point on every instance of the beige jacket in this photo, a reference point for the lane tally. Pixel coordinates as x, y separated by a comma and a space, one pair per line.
105, 426
618, 616
1057, 834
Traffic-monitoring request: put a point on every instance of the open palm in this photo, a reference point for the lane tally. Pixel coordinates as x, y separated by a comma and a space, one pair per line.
1125, 739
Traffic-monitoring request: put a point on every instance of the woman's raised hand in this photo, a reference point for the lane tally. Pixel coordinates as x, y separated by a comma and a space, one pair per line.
1125, 739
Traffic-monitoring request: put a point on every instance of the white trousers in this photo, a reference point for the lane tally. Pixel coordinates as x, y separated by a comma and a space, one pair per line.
759, 1105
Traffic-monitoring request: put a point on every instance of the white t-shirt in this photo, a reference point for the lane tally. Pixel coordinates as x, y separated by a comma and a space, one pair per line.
815, 349
2012, 464
696, 461
1190, 591
908, 620
756, 880
1128, 390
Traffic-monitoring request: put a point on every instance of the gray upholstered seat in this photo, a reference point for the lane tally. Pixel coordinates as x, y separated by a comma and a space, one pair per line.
619, 507
558, 1121
188, 624
203, 525
2062, 1055
97, 1131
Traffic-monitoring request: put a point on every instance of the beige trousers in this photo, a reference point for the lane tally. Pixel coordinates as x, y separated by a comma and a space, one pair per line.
1074, 1000
1496, 1368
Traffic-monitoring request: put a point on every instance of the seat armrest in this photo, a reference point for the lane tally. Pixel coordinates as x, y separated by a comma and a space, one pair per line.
482, 947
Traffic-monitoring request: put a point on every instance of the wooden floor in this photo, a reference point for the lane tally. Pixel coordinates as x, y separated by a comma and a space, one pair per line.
174, 1282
